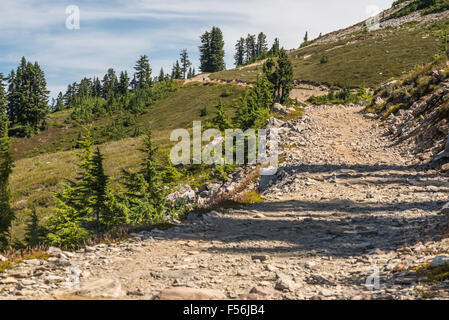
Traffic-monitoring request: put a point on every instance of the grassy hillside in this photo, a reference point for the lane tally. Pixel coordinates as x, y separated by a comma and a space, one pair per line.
363, 57
35, 179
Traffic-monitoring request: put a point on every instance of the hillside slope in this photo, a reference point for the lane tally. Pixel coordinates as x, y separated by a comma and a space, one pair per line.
357, 56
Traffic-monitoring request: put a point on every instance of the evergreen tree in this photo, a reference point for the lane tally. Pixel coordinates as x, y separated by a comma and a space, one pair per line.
28, 96
211, 51
275, 49
262, 46
221, 121
176, 71
123, 85
33, 231
306, 37
59, 103
254, 106
185, 63
98, 187
6, 165
110, 83
239, 56
281, 76
250, 48
145, 194
143, 73
161, 75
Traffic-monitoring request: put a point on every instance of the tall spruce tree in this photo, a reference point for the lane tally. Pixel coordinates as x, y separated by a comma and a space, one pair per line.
250, 48
239, 56
98, 188
6, 165
262, 46
185, 63
33, 231
143, 73
110, 83
123, 85
280, 74
176, 71
28, 96
161, 75
211, 51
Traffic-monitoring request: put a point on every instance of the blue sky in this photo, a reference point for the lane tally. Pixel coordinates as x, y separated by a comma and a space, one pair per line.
114, 33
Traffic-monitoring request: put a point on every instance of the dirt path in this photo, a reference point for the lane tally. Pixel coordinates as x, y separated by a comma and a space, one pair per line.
343, 207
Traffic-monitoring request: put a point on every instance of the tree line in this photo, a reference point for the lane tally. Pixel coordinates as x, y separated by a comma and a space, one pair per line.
251, 49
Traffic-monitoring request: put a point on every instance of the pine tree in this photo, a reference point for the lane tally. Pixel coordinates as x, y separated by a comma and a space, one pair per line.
221, 121
262, 46
161, 75
306, 37
145, 194
59, 106
176, 71
98, 187
143, 73
28, 96
123, 85
211, 51
280, 75
110, 83
6, 165
33, 231
239, 56
185, 63
274, 51
250, 48
254, 106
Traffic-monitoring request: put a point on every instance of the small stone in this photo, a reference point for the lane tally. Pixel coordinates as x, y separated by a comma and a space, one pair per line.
102, 288
440, 261
8, 280
2, 258
284, 282
89, 249
260, 258
399, 267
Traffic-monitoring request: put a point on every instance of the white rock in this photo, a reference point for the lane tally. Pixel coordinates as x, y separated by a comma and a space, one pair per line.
102, 288
2, 258
182, 293
54, 252
440, 261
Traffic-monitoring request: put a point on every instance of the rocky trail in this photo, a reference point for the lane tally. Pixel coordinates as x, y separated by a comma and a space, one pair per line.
347, 206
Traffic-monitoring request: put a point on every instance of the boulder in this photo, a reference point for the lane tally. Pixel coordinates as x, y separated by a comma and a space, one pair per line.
184, 293
440, 261
54, 252
277, 107
2, 258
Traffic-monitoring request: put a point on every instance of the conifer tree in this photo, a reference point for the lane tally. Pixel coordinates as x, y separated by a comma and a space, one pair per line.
306, 37
211, 51
161, 75
6, 165
98, 187
185, 63
239, 56
33, 231
27, 96
262, 46
221, 121
123, 85
280, 75
145, 193
110, 83
176, 71
254, 105
143, 73
250, 48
